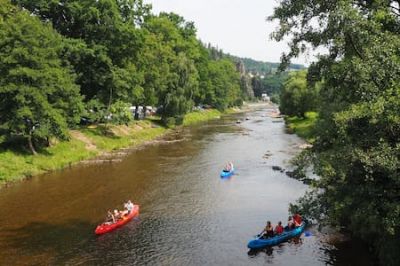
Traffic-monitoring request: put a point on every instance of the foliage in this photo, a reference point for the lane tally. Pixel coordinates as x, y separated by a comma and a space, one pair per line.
263, 68
121, 113
200, 116
303, 126
14, 165
273, 83
111, 54
38, 96
297, 97
356, 152
225, 89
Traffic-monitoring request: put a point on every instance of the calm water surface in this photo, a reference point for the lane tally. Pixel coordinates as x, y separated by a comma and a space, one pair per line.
188, 215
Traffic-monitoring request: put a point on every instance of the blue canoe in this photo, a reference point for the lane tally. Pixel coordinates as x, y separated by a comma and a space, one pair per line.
227, 174
285, 236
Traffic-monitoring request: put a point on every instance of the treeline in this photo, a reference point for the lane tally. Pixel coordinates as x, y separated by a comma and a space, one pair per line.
263, 68
356, 151
272, 84
64, 60
298, 96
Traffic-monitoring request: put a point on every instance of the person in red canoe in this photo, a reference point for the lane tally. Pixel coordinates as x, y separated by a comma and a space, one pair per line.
279, 228
129, 207
110, 219
297, 220
117, 215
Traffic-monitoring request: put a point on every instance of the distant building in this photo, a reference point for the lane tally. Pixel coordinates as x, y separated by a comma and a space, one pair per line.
265, 97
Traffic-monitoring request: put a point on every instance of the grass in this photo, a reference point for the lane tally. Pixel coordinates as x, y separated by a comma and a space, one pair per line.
86, 143
201, 116
111, 137
303, 127
14, 166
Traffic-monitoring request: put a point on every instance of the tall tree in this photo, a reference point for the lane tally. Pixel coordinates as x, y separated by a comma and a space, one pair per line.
297, 97
357, 148
38, 97
105, 37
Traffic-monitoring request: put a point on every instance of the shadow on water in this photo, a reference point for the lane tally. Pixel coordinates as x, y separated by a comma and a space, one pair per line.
344, 254
269, 251
38, 238
254, 252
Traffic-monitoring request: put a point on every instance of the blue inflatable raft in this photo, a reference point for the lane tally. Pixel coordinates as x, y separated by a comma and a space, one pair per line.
285, 236
226, 173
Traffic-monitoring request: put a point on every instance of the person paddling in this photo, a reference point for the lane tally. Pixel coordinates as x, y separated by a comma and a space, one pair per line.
117, 214
129, 207
228, 167
110, 218
279, 228
297, 220
290, 224
268, 231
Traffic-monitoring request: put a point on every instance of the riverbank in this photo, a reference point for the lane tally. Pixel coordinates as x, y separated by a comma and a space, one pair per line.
303, 127
88, 143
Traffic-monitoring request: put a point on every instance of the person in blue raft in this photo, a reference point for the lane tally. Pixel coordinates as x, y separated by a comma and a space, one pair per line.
228, 167
270, 237
228, 170
268, 231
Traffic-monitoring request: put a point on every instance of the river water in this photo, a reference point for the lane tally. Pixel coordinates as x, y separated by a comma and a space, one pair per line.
188, 215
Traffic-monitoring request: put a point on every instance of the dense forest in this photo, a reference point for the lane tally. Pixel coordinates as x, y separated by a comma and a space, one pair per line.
356, 148
64, 60
264, 68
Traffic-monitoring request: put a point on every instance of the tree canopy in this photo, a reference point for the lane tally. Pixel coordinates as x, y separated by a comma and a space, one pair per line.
38, 96
61, 60
356, 152
297, 96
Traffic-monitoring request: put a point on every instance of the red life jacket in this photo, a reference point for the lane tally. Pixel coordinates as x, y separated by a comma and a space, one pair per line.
279, 229
297, 219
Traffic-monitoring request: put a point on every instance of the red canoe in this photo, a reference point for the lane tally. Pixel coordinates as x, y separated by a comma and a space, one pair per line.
105, 228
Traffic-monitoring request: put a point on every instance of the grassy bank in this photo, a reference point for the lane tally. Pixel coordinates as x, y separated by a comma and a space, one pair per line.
303, 127
86, 143
201, 116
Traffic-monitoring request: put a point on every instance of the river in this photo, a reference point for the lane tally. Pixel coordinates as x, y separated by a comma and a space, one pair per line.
188, 215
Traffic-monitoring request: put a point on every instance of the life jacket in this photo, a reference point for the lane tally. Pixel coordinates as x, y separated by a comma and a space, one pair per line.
297, 219
279, 229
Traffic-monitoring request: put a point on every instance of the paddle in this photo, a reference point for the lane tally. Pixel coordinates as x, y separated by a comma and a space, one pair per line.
260, 234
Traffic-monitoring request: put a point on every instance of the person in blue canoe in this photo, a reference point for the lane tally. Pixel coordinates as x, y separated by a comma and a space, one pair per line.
268, 231
228, 167
297, 220
279, 228
290, 224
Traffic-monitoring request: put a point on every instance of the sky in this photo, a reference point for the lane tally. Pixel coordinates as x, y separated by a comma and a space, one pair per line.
238, 27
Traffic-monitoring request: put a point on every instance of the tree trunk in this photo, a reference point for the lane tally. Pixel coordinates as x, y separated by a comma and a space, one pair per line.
137, 112
144, 112
31, 147
48, 142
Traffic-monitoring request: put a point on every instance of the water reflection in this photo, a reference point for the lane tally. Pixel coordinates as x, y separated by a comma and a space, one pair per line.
279, 249
189, 215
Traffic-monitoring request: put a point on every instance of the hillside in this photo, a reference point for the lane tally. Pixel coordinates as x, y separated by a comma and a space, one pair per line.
261, 67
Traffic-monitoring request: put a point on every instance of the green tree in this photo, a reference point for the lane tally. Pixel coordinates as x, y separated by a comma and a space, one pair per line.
38, 97
356, 152
297, 97
174, 77
225, 81
105, 44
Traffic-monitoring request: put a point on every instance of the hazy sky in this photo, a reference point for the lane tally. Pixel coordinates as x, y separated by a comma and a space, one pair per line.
239, 27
